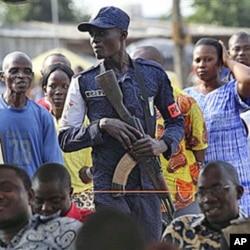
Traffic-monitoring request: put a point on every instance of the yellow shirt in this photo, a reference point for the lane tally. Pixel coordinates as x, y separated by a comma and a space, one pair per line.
74, 161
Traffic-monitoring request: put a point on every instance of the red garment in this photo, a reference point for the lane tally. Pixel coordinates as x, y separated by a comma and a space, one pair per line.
78, 213
43, 102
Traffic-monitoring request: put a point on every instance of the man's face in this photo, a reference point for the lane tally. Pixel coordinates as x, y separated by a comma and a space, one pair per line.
106, 42
50, 197
217, 196
14, 200
239, 50
18, 75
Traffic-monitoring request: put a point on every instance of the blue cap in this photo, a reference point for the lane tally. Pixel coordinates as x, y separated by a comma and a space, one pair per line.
107, 18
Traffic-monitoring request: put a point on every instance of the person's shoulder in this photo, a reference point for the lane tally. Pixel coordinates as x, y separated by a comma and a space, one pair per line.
78, 213
189, 89
148, 63
240, 221
51, 232
184, 101
66, 221
90, 70
179, 91
40, 112
174, 79
37, 106
190, 218
239, 226
44, 103
183, 223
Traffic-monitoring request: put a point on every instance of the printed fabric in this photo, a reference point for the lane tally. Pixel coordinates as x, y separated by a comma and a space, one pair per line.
181, 171
193, 232
50, 234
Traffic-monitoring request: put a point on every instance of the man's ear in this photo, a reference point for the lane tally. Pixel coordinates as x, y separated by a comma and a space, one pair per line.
71, 190
2, 75
31, 195
124, 35
44, 89
240, 191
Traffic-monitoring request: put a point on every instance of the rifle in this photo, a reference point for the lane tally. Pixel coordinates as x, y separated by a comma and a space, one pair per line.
108, 83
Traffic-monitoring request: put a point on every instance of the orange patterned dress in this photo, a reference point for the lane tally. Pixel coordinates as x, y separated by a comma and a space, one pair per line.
182, 170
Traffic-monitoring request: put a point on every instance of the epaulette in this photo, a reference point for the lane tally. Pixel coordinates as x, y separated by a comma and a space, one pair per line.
86, 71
151, 63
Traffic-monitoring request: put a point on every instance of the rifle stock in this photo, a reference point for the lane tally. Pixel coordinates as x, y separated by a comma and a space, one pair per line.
108, 83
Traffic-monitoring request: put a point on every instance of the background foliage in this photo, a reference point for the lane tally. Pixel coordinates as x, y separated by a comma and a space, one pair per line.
234, 13
40, 10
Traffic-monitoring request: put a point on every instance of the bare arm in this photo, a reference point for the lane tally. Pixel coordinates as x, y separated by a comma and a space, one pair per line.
241, 73
199, 155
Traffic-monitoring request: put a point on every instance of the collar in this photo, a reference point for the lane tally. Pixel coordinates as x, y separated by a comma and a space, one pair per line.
201, 220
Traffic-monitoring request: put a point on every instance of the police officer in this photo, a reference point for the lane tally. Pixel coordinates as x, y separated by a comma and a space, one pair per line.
110, 137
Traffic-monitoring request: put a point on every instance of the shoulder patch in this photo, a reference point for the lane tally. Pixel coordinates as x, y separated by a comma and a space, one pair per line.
174, 110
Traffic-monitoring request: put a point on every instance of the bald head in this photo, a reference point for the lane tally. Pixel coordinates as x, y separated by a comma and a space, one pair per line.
227, 169
149, 53
16, 56
55, 58
238, 36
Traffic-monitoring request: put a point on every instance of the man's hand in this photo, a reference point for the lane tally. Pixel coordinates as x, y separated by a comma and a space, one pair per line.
85, 174
121, 131
148, 147
225, 55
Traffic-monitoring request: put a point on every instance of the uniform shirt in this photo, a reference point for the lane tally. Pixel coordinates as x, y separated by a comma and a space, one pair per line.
193, 232
181, 171
50, 234
86, 97
28, 135
227, 136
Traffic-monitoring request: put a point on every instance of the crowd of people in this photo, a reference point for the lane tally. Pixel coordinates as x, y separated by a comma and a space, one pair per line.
181, 156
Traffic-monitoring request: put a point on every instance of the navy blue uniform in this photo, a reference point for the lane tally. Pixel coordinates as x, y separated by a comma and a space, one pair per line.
86, 98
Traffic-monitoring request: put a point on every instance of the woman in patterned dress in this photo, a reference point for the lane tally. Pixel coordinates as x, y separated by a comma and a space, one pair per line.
221, 105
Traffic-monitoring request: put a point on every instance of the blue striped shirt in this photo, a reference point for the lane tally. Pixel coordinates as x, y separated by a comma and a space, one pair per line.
227, 136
